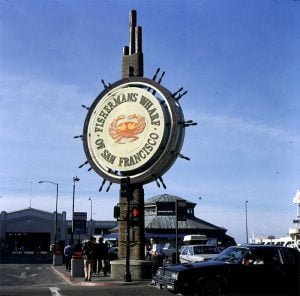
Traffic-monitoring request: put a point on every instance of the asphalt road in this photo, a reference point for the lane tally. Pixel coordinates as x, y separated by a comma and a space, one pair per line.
41, 280
86, 291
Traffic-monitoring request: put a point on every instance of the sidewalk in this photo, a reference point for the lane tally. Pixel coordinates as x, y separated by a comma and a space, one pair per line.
96, 280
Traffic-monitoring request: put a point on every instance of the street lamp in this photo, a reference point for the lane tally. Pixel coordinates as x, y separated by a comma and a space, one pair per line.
91, 215
56, 184
246, 214
75, 179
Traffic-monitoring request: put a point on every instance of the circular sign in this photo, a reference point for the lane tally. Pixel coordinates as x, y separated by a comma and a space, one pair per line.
134, 128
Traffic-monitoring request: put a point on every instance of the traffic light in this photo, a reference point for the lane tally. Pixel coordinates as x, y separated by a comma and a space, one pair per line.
125, 188
117, 212
135, 214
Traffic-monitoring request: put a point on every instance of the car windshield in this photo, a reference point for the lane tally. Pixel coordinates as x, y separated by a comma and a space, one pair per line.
231, 255
204, 250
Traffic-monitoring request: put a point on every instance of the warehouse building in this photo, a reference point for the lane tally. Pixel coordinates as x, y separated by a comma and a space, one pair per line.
34, 230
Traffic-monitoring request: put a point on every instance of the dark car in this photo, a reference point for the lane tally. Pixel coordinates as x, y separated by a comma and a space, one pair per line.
248, 269
113, 253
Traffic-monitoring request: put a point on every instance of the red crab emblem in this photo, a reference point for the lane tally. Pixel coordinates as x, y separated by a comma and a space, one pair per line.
126, 128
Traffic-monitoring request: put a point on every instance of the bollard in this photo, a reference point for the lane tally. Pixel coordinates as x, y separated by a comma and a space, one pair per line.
77, 265
57, 258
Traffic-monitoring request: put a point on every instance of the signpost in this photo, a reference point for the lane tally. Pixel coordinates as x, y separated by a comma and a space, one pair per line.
134, 130
79, 222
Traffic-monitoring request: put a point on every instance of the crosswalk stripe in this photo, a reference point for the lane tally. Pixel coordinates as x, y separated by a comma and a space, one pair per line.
55, 291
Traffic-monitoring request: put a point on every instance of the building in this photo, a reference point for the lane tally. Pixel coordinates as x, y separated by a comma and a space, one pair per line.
163, 225
33, 228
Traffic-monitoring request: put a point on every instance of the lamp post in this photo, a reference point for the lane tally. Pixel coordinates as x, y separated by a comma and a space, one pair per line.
75, 179
246, 215
91, 215
56, 184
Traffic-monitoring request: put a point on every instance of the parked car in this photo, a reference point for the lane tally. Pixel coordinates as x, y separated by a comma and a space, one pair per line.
169, 252
113, 253
197, 253
248, 269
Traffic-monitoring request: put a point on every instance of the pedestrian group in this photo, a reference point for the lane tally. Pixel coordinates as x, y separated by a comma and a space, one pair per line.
95, 256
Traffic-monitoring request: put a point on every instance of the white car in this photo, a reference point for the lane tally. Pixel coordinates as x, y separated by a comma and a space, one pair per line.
197, 253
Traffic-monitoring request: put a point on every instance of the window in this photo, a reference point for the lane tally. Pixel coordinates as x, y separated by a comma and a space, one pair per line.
184, 251
288, 257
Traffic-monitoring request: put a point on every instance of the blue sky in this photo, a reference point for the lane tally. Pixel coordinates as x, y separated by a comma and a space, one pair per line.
239, 61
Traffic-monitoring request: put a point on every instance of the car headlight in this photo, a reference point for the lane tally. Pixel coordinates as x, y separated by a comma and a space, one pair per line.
174, 275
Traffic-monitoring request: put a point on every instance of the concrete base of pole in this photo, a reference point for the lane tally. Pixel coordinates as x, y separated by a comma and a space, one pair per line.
77, 268
57, 260
139, 269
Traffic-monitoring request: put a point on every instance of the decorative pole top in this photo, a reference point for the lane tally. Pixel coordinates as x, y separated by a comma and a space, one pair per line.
132, 58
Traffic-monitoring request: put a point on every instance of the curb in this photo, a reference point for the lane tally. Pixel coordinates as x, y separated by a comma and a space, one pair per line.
65, 277
70, 280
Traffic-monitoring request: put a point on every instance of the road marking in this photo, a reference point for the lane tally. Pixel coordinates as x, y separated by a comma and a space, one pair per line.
54, 291
23, 275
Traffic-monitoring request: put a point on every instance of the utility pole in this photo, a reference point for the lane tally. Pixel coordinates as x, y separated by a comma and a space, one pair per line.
91, 215
246, 214
75, 179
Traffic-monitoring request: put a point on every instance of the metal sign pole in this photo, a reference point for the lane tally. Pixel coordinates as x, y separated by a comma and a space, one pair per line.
127, 275
176, 230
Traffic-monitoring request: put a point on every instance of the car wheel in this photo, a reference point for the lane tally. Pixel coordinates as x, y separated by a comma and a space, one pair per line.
210, 287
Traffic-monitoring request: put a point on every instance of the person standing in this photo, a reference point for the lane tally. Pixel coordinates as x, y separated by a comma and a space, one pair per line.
156, 257
87, 251
68, 252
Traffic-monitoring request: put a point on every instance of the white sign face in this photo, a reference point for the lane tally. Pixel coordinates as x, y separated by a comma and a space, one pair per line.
125, 129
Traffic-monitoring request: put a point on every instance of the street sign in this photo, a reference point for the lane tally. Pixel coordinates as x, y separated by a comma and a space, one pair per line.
79, 222
165, 208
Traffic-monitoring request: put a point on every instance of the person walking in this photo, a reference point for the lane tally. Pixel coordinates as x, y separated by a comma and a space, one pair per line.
68, 252
88, 254
100, 257
156, 257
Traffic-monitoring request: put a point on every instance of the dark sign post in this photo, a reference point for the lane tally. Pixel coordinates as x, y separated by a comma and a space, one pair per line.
177, 208
180, 208
125, 190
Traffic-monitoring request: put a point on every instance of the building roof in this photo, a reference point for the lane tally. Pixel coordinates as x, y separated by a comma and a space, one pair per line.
169, 223
165, 198
29, 212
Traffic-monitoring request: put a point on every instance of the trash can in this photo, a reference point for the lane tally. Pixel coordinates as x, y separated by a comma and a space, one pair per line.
77, 265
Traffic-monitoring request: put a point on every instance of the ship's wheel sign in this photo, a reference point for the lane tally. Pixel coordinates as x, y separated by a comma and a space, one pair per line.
134, 128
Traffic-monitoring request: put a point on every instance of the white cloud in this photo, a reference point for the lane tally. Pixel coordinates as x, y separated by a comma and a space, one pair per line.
240, 125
